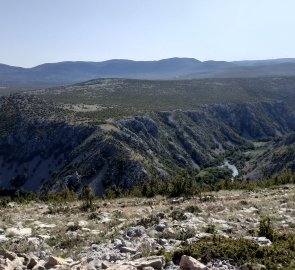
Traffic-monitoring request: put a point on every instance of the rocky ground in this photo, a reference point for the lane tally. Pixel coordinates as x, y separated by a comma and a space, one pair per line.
132, 233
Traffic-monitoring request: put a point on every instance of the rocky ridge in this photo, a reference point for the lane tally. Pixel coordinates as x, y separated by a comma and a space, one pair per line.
125, 233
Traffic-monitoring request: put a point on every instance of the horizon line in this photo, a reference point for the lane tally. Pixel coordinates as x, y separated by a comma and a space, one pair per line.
152, 60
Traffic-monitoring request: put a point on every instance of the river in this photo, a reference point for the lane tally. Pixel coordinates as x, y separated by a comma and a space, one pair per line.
233, 168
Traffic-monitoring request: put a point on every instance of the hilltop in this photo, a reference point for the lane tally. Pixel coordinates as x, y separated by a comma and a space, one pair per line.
69, 72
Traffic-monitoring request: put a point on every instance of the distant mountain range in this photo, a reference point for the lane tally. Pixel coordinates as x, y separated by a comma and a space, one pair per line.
173, 68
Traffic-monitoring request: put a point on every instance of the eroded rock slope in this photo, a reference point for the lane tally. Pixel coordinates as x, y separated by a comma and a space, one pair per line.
45, 146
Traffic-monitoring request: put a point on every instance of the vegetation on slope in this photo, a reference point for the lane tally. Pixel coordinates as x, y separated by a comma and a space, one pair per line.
278, 256
120, 97
65, 136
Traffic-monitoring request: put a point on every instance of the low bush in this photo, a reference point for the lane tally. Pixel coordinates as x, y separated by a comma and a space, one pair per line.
280, 255
59, 197
64, 242
87, 195
210, 229
177, 215
4, 201
94, 216
178, 234
193, 209
149, 221
266, 229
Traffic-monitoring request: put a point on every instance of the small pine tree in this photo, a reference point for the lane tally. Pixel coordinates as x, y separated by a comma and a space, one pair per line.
266, 228
87, 196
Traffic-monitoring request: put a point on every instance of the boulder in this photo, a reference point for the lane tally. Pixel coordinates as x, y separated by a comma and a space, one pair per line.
19, 231
171, 266
160, 227
41, 225
261, 241
44, 236
135, 231
32, 263
38, 267
251, 266
189, 263
53, 261
93, 262
8, 255
117, 243
197, 238
35, 241
128, 250
24, 257
106, 265
3, 239
178, 201
71, 224
156, 262
122, 267
12, 266
83, 223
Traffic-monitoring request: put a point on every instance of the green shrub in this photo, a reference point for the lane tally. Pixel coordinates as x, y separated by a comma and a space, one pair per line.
193, 209
74, 227
58, 209
94, 216
182, 185
113, 193
149, 221
4, 201
52, 241
186, 233
177, 215
266, 229
241, 251
60, 197
178, 234
210, 229
187, 183
87, 196
64, 242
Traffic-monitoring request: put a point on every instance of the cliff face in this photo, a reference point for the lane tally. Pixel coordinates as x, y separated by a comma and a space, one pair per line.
34, 142
276, 159
42, 151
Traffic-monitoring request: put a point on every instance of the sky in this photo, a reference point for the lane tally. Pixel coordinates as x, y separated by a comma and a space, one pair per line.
33, 32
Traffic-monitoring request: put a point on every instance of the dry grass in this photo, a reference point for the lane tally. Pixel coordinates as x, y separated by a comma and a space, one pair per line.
234, 212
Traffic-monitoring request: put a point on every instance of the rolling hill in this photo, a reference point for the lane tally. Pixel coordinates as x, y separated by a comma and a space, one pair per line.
63, 73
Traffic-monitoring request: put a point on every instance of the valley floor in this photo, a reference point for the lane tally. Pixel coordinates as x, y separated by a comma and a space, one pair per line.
125, 233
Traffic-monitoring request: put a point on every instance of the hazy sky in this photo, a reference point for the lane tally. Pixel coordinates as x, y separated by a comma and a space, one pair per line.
38, 31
